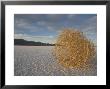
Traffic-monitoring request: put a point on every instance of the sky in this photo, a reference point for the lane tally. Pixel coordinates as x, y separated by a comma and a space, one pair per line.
46, 27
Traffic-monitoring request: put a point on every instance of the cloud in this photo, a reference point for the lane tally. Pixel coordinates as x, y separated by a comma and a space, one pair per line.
23, 25
71, 16
41, 23
21, 22
90, 29
37, 23
90, 25
54, 17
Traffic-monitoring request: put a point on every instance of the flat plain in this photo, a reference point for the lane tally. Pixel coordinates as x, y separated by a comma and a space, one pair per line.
39, 61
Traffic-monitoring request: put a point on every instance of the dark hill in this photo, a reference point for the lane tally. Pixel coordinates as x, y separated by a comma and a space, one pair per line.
30, 43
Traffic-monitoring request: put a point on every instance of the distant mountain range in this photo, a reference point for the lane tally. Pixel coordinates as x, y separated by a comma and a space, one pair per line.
30, 43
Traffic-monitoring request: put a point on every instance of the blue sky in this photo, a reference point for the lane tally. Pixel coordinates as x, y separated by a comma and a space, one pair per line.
46, 27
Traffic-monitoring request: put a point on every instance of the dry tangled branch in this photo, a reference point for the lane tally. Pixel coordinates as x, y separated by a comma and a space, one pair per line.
72, 49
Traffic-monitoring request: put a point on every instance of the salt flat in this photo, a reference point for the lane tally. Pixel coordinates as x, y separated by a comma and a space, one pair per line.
39, 61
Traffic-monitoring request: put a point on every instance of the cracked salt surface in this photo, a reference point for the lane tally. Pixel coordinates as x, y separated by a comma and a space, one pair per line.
39, 61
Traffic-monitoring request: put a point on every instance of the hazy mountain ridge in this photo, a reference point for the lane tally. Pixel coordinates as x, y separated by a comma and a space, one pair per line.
30, 43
